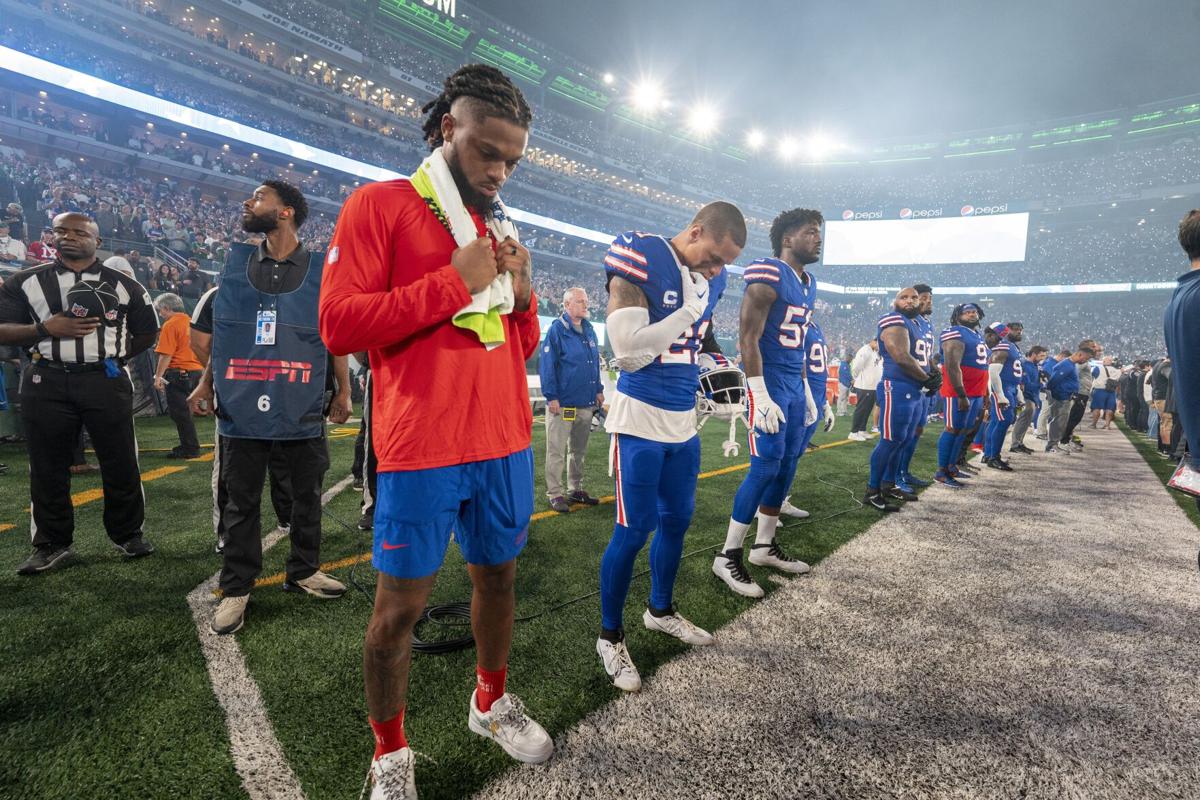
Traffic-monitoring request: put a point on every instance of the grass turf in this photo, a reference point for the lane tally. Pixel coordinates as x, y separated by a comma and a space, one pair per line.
104, 690
1164, 468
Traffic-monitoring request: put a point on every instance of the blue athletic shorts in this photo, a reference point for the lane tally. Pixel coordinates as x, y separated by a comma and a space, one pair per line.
900, 409
962, 421
486, 505
788, 394
1104, 400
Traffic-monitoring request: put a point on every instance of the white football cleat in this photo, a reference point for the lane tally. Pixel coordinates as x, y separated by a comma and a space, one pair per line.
391, 776
618, 665
792, 511
509, 726
857, 436
772, 555
728, 567
674, 624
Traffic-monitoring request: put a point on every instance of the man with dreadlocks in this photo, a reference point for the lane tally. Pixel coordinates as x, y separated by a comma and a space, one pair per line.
965, 367
775, 312
426, 274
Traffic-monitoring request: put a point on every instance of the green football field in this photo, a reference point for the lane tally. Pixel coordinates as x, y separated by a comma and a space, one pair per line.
104, 687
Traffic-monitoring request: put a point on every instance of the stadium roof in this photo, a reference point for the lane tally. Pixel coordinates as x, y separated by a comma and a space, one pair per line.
876, 70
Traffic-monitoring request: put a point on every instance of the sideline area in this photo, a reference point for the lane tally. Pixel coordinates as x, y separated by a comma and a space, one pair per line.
1034, 635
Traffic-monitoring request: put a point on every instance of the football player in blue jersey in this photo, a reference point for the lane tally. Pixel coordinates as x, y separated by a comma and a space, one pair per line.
1006, 376
661, 297
906, 372
906, 481
816, 367
1031, 390
964, 386
776, 307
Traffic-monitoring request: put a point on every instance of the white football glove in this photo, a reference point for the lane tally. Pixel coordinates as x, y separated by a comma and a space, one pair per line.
829, 419
767, 415
695, 293
810, 406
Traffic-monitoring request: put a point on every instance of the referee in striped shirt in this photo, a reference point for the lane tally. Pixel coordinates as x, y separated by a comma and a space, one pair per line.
77, 377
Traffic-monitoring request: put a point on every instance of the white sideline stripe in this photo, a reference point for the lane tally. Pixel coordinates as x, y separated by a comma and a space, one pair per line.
256, 752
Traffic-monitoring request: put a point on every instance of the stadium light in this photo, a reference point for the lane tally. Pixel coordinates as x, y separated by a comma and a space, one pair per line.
609, 79
788, 147
820, 146
647, 96
755, 139
702, 119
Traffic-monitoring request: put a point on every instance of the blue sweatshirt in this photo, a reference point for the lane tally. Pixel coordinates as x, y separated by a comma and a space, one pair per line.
1064, 379
1182, 332
1031, 385
570, 364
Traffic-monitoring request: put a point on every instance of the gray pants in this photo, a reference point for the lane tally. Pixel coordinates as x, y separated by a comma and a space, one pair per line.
1059, 412
1021, 425
1043, 426
562, 439
843, 401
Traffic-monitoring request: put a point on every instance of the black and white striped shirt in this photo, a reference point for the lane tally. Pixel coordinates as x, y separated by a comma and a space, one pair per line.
35, 294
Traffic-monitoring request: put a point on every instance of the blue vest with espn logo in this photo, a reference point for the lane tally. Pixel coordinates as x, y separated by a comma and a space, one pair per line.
268, 391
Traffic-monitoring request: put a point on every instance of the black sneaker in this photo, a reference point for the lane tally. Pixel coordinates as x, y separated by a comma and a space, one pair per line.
583, 497
879, 502
560, 505
44, 558
219, 547
1021, 449
177, 453
897, 493
366, 522
997, 463
357, 484
135, 547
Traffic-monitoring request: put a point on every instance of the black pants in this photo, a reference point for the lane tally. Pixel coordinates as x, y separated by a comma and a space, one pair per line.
1077, 411
370, 464
244, 472
281, 487
862, 409
54, 407
179, 385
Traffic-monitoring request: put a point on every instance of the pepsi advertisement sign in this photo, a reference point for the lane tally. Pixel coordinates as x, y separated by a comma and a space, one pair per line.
931, 212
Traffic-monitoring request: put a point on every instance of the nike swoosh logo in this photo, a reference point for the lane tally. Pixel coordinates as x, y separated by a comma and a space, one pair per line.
387, 546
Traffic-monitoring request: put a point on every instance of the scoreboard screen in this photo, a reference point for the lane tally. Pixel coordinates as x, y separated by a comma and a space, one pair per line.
947, 240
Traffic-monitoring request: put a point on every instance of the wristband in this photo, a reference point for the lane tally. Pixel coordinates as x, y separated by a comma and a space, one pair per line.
42, 333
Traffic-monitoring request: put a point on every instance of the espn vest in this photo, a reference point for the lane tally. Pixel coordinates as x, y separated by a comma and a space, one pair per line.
268, 391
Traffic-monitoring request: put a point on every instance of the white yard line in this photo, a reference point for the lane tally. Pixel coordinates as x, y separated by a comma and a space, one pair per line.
257, 755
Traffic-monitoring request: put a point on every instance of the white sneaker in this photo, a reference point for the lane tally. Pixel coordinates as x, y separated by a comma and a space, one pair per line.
618, 665
674, 624
230, 615
511, 728
874, 430
318, 585
728, 567
793, 511
391, 776
857, 436
772, 555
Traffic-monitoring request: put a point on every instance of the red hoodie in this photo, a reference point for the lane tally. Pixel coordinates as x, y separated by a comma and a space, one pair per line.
440, 397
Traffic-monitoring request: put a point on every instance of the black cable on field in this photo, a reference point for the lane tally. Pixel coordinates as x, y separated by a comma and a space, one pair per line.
458, 614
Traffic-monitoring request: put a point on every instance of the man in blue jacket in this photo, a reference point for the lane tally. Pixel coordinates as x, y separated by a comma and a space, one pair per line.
1031, 391
1063, 384
570, 372
1183, 341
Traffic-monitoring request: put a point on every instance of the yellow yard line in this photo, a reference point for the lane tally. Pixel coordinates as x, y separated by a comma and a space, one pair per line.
280, 577
6, 526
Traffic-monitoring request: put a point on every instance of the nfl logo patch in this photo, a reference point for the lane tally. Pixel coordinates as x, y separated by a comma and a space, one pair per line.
78, 310
111, 316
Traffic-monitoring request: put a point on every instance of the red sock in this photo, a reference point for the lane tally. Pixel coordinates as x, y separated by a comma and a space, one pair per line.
488, 687
389, 736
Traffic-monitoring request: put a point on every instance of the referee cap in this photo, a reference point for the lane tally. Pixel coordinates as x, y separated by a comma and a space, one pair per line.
93, 299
